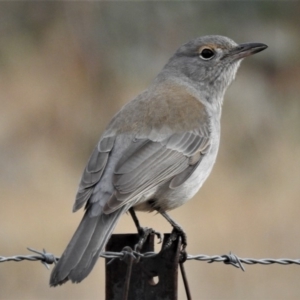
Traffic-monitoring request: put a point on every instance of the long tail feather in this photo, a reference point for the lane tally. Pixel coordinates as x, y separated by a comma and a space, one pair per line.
84, 249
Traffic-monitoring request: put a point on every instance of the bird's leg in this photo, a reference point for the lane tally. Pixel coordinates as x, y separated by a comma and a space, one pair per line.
144, 232
177, 231
136, 221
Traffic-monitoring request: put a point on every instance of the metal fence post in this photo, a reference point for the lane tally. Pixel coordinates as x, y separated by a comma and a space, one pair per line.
154, 278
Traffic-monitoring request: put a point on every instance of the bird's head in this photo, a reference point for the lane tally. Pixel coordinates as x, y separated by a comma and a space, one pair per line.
211, 62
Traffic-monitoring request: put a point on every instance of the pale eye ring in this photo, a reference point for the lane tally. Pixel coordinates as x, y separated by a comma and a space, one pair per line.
207, 53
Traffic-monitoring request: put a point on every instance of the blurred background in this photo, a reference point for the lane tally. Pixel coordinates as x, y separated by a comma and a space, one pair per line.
67, 67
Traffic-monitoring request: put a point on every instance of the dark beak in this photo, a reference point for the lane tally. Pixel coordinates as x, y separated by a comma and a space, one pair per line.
244, 50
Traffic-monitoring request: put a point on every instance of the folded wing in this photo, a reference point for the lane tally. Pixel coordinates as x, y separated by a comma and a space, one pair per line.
147, 164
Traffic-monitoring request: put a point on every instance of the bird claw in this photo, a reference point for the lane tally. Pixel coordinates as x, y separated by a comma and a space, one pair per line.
144, 232
175, 234
158, 235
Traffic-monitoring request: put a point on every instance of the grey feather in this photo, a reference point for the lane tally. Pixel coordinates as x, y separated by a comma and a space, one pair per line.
84, 248
81, 198
182, 177
74, 250
97, 161
91, 176
106, 143
93, 171
138, 157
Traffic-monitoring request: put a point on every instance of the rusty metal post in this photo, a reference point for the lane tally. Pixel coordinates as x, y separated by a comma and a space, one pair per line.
154, 278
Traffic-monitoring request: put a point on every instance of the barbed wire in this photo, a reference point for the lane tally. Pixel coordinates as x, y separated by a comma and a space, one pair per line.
48, 258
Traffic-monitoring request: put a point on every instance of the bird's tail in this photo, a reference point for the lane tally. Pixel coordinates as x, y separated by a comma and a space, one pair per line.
81, 254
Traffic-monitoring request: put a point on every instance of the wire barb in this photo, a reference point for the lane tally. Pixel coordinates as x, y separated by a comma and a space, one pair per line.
232, 259
46, 258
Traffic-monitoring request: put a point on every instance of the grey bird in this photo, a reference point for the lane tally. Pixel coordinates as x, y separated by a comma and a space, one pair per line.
157, 150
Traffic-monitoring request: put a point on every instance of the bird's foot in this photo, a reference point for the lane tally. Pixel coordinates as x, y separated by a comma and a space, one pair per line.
175, 234
144, 232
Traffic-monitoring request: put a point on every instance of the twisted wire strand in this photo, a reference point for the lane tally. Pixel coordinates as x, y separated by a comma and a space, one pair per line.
48, 258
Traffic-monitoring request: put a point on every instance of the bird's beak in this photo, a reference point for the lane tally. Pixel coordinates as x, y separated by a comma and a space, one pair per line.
244, 50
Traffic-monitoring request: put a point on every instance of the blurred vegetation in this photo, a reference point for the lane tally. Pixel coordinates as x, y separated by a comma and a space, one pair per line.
67, 67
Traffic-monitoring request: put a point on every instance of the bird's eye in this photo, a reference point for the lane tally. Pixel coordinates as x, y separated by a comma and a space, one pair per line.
207, 54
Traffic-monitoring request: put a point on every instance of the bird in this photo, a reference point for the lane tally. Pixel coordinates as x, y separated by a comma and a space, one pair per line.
157, 151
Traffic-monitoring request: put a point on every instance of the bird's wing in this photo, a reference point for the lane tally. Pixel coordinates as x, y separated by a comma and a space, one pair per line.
168, 131
147, 164
94, 170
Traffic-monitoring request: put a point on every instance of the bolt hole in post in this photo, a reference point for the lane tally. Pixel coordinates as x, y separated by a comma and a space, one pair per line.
153, 280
